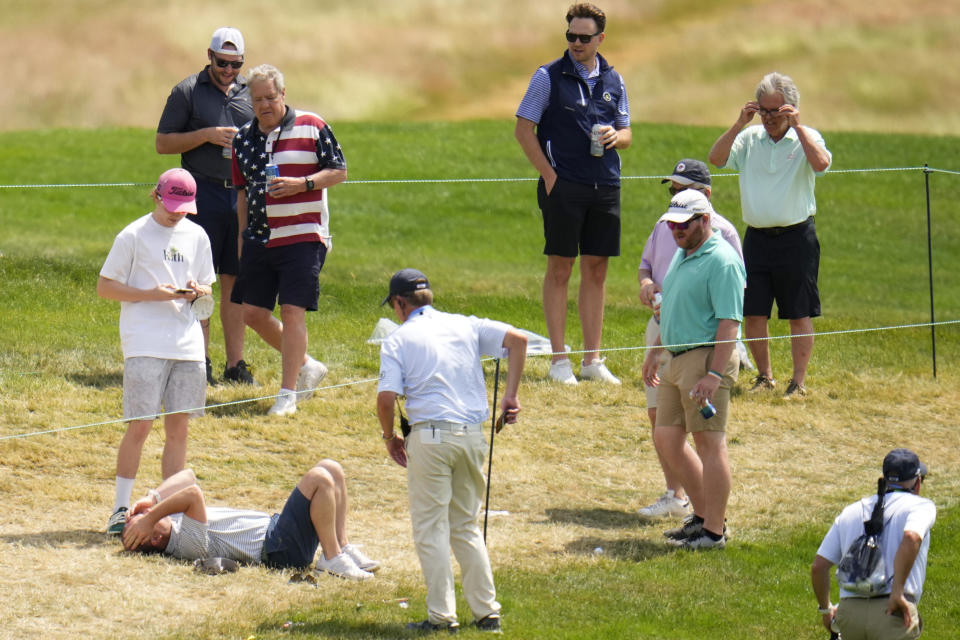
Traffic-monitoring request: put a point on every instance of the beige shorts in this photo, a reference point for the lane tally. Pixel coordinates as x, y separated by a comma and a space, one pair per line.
152, 384
868, 618
681, 373
650, 339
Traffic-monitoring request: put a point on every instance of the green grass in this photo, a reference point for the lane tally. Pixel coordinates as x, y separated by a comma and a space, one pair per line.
481, 245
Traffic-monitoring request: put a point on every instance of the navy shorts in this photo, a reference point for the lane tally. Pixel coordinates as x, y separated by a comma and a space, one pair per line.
286, 274
782, 265
217, 214
580, 219
291, 540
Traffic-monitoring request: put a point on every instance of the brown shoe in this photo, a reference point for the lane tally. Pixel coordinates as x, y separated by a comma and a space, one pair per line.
762, 383
794, 390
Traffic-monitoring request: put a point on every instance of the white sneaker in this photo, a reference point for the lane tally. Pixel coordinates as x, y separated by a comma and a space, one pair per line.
596, 370
666, 505
311, 373
360, 559
286, 404
562, 372
341, 566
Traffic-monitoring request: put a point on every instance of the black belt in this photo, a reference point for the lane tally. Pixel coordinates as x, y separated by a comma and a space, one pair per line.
778, 231
226, 184
682, 351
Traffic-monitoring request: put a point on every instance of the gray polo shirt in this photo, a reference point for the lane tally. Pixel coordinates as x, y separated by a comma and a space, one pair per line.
196, 103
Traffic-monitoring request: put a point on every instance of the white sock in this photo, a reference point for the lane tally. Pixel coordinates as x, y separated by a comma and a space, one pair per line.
123, 491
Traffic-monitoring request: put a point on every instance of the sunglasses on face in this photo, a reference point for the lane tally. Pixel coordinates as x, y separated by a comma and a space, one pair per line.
682, 225
223, 64
769, 113
583, 37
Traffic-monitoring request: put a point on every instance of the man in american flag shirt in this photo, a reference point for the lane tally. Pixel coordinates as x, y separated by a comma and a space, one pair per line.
285, 233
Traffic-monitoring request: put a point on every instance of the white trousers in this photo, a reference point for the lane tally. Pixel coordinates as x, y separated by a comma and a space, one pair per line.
446, 485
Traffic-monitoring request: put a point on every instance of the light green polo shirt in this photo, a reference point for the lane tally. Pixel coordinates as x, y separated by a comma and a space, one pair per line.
776, 180
699, 290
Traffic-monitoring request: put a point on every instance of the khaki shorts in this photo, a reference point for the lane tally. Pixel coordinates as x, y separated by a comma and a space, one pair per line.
681, 373
650, 339
868, 618
152, 384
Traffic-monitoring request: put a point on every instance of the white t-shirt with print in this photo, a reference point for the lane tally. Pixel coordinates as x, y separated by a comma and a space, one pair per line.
147, 254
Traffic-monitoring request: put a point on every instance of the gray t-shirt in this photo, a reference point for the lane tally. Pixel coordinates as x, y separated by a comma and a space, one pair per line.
237, 534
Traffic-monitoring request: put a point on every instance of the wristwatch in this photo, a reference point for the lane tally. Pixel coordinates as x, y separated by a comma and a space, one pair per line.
309, 184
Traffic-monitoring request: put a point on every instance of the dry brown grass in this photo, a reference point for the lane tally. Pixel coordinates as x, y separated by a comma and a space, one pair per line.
570, 476
860, 66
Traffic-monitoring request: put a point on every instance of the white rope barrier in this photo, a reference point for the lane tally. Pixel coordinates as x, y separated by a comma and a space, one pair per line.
918, 325
457, 180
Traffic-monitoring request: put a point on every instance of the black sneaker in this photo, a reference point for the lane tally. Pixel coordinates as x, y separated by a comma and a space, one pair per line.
210, 380
426, 626
762, 383
795, 390
691, 526
238, 373
490, 624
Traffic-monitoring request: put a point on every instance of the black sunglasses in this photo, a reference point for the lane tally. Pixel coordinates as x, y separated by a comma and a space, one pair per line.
223, 64
583, 37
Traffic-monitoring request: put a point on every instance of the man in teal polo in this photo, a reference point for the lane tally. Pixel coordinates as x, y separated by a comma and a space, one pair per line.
699, 317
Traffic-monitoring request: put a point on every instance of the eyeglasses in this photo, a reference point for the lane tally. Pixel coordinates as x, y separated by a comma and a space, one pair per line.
683, 225
769, 113
583, 37
675, 190
223, 64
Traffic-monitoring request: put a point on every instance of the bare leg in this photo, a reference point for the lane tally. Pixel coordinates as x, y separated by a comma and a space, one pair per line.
593, 277
231, 317
555, 302
712, 450
175, 444
684, 461
756, 327
318, 486
276, 335
669, 476
131, 446
801, 348
340, 488
293, 349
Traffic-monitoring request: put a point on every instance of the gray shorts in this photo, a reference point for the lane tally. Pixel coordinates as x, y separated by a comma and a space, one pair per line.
152, 384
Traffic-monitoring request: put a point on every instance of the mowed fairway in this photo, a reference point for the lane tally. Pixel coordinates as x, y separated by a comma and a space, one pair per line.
571, 558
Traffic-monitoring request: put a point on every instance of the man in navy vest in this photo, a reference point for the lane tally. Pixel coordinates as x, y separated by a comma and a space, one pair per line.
579, 187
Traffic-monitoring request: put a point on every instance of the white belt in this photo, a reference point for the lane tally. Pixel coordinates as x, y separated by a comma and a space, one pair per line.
453, 427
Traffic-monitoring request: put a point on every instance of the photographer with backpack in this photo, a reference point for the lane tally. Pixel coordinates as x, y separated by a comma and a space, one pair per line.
880, 544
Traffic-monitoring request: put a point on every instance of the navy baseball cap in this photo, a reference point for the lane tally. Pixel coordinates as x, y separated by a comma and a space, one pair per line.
406, 281
902, 465
689, 171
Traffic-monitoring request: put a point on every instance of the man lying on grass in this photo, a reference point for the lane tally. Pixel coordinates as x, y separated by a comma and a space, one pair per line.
174, 519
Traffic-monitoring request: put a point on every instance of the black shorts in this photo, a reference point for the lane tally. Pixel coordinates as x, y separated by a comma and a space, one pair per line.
291, 539
286, 274
782, 264
217, 214
580, 219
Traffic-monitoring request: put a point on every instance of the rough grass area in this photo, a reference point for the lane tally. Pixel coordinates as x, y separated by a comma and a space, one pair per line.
567, 479
860, 66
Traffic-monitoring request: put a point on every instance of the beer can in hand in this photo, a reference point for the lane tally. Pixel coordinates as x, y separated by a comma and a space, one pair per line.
596, 147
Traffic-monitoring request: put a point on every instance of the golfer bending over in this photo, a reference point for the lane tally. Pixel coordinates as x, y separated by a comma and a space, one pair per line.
174, 519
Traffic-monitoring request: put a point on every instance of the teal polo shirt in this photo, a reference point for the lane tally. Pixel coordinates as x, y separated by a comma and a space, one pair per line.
699, 290
776, 180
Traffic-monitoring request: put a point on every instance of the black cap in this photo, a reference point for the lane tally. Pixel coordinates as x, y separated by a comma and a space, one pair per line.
406, 281
689, 171
902, 465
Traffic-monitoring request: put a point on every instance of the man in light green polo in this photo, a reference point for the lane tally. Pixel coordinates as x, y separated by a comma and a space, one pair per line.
778, 164
699, 317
